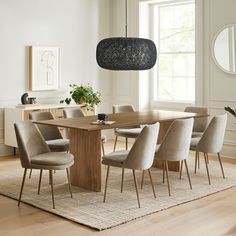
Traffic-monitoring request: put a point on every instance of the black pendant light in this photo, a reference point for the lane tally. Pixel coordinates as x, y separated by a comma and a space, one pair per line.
125, 53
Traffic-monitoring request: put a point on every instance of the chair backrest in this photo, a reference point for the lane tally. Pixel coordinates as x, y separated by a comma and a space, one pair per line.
49, 132
200, 124
73, 113
176, 143
213, 137
30, 142
124, 108
142, 152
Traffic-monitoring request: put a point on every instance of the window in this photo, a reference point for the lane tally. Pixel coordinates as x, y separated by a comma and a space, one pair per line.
174, 35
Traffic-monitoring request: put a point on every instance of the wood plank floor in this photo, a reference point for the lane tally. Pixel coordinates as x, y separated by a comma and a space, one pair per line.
213, 215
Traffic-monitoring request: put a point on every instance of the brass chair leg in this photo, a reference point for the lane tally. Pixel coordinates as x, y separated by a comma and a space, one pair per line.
30, 174
115, 144
167, 176
69, 181
122, 180
153, 189
51, 180
135, 183
103, 150
181, 168
221, 165
196, 159
163, 173
126, 143
205, 157
186, 166
22, 186
105, 191
40, 178
143, 172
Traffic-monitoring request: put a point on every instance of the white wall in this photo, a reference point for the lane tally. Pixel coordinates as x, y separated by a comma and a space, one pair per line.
75, 26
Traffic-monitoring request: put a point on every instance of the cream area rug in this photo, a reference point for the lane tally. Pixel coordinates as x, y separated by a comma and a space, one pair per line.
87, 207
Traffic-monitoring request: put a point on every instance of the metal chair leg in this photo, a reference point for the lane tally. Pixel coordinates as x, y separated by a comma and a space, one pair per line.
221, 165
186, 166
196, 159
153, 189
135, 183
103, 150
163, 173
69, 181
40, 178
126, 143
115, 144
167, 176
22, 186
105, 191
181, 168
30, 174
51, 180
122, 180
205, 157
143, 172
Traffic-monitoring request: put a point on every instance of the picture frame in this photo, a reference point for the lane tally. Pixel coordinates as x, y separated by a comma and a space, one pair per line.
44, 68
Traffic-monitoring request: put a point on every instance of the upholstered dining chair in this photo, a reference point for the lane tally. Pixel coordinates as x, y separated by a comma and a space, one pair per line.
175, 146
140, 157
35, 154
211, 141
77, 112
127, 132
51, 134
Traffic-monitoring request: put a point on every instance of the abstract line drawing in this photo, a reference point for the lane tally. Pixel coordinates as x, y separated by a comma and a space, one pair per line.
44, 68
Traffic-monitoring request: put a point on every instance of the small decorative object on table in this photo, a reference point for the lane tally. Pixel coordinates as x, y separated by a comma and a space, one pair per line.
230, 110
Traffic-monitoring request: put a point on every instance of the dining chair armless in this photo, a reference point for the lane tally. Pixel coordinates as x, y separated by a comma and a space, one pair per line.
127, 132
175, 146
51, 134
140, 157
35, 154
76, 113
211, 141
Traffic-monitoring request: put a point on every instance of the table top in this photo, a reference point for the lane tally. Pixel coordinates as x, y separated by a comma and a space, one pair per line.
122, 120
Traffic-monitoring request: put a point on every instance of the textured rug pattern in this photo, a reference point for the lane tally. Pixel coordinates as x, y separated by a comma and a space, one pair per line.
88, 208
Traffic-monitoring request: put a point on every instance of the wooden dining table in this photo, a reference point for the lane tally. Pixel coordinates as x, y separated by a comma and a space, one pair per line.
85, 140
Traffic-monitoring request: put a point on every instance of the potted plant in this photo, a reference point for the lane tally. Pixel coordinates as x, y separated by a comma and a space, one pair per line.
230, 110
84, 94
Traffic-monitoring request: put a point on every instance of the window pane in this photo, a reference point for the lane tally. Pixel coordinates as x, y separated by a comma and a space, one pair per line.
165, 65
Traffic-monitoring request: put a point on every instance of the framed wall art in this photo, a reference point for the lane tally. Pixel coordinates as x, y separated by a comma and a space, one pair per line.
44, 66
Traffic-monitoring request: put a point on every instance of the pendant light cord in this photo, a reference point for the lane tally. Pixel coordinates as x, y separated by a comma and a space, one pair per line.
126, 25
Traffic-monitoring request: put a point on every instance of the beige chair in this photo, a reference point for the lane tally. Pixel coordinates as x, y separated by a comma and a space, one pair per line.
35, 154
211, 141
140, 157
77, 112
127, 132
51, 134
175, 146
200, 123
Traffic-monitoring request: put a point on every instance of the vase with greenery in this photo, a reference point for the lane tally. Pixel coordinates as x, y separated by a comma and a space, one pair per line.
231, 111
85, 94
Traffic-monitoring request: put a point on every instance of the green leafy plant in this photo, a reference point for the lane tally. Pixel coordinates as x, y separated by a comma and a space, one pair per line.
231, 111
85, 94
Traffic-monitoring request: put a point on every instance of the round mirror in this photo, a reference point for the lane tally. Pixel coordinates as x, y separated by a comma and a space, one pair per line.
224, 49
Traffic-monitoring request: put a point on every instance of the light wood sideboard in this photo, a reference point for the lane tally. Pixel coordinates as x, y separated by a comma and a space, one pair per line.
21, 112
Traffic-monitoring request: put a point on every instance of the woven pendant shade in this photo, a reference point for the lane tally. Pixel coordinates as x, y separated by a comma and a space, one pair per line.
126, 53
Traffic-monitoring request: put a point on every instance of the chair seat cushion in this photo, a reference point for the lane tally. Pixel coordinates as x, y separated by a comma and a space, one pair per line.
129, 133
196, 134
53, 160
194, 142
103, 138
115, 158
58, 145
